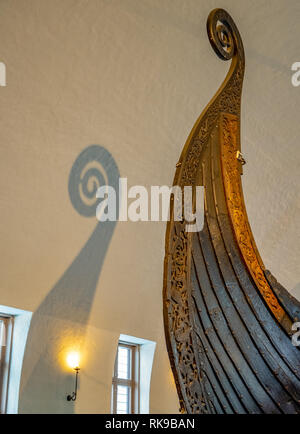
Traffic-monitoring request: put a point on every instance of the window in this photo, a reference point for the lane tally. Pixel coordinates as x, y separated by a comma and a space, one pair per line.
6, 325
125, 387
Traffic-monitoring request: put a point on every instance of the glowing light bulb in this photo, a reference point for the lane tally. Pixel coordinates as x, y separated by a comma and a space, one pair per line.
73, 360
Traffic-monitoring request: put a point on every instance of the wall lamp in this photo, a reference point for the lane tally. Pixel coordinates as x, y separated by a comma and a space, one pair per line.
73, 361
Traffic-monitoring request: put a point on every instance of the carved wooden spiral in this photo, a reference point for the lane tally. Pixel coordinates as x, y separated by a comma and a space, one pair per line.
223, 34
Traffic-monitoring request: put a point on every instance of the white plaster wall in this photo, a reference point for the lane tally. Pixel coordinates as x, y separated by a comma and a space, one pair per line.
132, 76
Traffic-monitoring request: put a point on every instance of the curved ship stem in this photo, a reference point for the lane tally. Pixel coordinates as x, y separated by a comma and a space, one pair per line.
227, 321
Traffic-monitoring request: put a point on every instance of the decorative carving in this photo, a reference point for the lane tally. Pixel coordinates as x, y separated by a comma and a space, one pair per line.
227, 99
229, 127
180, 326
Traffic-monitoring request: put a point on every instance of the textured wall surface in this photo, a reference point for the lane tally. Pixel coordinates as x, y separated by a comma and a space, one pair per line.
131, 76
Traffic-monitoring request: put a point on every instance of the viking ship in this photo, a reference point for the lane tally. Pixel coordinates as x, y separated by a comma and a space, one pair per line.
228, 322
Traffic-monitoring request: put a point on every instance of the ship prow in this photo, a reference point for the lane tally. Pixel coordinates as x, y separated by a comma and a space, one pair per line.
228, 322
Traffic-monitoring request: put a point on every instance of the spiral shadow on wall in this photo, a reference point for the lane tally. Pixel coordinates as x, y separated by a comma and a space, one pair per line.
64, 313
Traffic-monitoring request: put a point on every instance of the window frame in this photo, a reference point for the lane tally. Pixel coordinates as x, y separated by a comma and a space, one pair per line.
132, 383
5, 359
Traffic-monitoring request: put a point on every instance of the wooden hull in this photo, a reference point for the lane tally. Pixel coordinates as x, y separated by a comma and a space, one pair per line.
227, 321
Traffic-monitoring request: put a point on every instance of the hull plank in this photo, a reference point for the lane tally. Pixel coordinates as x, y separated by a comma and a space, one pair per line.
290, 304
